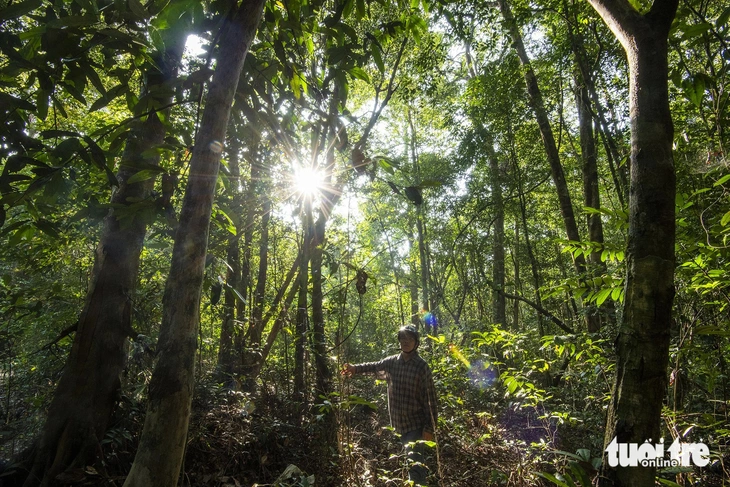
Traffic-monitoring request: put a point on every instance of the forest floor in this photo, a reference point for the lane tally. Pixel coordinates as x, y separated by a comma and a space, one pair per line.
242, 442
238, 440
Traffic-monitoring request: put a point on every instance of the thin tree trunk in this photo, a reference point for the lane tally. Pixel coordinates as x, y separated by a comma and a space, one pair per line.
260, 290
413, 287
302, 325
87, 391
551, 148
251, 205
323, 375
591, 194
233, 273
518, 280
498, 255
252, 370
634, 413
162, 444
276, 328
534, 267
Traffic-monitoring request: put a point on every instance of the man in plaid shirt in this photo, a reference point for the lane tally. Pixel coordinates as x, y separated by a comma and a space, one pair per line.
411, 396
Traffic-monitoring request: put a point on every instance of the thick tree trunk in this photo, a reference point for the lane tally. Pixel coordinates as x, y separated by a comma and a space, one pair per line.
551, 148
162, 444
87, 391
643, 341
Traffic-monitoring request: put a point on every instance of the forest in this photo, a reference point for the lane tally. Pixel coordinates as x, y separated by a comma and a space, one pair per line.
209, 208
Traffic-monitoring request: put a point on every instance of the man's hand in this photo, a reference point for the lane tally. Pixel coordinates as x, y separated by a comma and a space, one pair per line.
427, 436
348, 370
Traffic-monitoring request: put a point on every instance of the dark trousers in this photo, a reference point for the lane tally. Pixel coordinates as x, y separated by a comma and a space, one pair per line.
414, 452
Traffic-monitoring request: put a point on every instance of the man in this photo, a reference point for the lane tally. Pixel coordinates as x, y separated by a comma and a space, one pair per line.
411, 396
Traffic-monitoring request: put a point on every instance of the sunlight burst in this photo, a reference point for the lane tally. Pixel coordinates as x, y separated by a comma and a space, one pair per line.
307, 181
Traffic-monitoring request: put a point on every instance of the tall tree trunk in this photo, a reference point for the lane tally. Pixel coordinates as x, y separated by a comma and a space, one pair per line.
260, 290
551, 148
498, 267
251, 205
162, 444
530, 253
323, 375
591, 194
233, 273
420, 223
87, 391
518, 282
278, 323
302, 325
413, 284
643, 341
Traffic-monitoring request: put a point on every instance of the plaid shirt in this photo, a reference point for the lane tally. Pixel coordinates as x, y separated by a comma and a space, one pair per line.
411, 393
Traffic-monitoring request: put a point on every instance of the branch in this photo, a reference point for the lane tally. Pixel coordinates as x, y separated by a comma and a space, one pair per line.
539, 309
64, 333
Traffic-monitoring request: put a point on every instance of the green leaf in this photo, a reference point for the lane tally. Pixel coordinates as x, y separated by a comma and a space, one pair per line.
603, 295
378, 58
49, 134
668, 483
42, 98
72, 21
359, 73
138, 9
725, 219
47, 227
143, 175
19, 9
723, 18
722, 180
616, 293
553, 479
689, 31
711, 330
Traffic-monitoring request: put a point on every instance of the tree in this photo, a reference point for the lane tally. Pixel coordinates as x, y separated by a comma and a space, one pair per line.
551, 148
86, 394
162, 444
643, 340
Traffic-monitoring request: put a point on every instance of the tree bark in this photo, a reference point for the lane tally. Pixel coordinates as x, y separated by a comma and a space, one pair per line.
162, 444
233, 273
244, 284
259, 293
643, 341
302, 325
589, 156
498, 265
87, 391
551, 148
276, 327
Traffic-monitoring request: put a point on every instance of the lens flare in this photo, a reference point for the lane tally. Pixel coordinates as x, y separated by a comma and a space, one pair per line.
483, 374
458, 355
